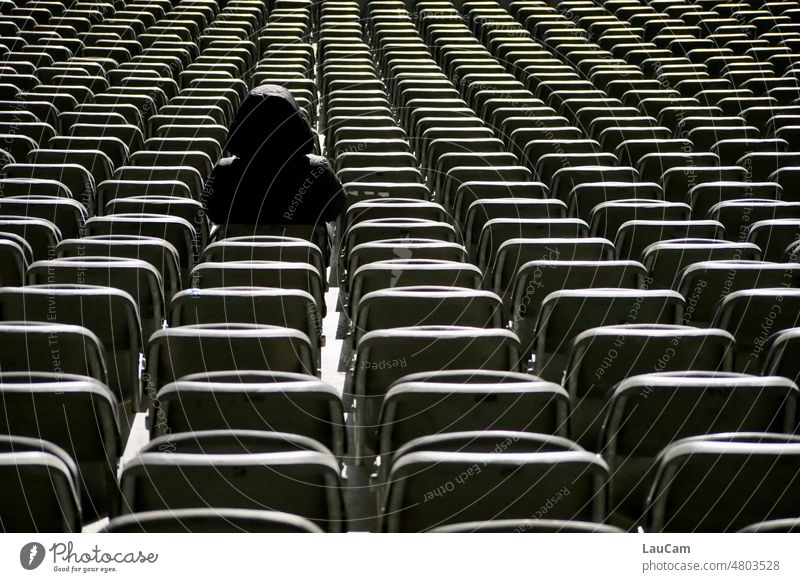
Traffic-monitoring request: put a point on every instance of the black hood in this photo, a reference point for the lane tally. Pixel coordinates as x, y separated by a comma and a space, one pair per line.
270, 125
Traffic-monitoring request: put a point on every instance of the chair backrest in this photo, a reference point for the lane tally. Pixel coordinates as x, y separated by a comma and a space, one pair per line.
635, 235
514, 485
175, 352
753, 316
215, 520
425, 305
708, 283
565, 314
65, 399
724, 482
641, 413
604, 356
291, 403
485, 401
136, 277
386, 355
116, 325
666, 260
779, 360
536, 280
305, 483
33, 468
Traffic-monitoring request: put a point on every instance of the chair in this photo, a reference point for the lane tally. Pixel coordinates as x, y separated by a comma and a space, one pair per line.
67, 215
790, 525
527, 526
724, 482
677, 181
42, 236
175, 352
566, 314
707, 283
425, 487
429, 403
15, 255
386, 355
37, 469
252, 400
210, 521
634, 236
585, 197
646, 413
110, 314
301, 482
752, 316
774, 236
66, 400
136, 277
601, 357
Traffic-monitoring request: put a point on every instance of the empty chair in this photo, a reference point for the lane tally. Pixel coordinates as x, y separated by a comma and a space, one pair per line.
37, 469
41, 235
407, 272
677, 181
707, 283
67, 215
752, 316
703, 197
177, 231
248, 472
210, 520
779, 361
436, 402
136, 277
15, 255
279, 274
66, 400
536, 280
790, 525
264, 248
724, 482
646, 413
601, 357
585, 197
175, 352
383, 356
762, 164
110, 314
75, 349
666, 260
499, 230
252, 400
566, 314
634, 236
606, 218
292, 308
737, 215
508, 486
424, 305
774, 236
527, 526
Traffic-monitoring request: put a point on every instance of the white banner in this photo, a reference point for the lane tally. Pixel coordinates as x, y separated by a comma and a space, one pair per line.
389, 558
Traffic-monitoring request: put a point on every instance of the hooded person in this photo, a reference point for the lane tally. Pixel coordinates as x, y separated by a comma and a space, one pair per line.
270, 174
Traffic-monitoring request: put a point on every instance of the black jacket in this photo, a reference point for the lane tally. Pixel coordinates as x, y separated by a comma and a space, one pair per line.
271, 175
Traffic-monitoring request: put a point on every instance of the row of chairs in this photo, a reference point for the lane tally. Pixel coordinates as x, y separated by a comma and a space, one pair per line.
433, 481
473, 170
